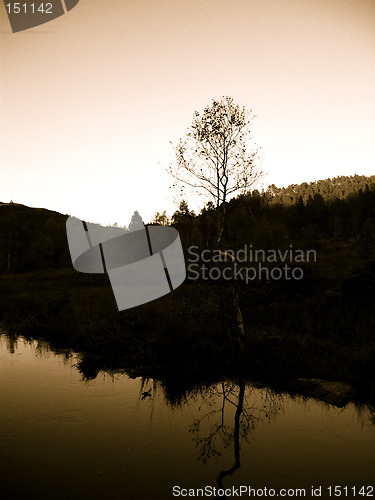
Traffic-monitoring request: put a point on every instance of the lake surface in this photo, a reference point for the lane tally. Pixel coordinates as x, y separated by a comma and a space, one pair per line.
63, 437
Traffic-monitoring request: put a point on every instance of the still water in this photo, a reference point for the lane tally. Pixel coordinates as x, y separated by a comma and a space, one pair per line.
116, 437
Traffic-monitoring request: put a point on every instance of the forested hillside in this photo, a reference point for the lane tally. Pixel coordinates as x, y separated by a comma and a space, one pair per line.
306, 215
330, 189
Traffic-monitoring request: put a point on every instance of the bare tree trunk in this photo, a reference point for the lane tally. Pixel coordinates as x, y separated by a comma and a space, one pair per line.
236, 302
220, 226
240, 330
9, 259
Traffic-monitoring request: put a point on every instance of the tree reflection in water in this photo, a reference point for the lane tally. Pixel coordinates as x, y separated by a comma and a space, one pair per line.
235, 418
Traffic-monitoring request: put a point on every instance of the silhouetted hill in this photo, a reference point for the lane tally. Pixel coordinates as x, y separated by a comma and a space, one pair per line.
31, 238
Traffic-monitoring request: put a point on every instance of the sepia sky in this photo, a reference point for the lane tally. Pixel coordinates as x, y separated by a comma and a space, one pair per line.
91, 100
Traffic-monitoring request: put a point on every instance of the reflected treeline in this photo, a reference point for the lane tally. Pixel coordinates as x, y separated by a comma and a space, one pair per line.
40, 347
11, 341
181, 378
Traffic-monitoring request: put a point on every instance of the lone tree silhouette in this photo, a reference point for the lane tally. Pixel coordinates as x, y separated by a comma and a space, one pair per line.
217, 158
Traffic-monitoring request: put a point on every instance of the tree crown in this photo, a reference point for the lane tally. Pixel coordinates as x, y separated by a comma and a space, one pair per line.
217, 157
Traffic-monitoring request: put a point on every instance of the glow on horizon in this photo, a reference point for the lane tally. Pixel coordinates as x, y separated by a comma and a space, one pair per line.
91, 101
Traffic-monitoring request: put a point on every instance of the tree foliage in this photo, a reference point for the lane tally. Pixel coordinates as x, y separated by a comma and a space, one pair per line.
217, 157
183, 213
161, 218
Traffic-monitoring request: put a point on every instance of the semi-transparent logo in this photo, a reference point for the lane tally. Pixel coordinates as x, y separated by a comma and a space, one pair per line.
28, 14
142, 265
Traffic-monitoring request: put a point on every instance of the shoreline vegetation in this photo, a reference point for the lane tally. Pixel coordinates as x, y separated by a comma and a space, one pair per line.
319, 327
